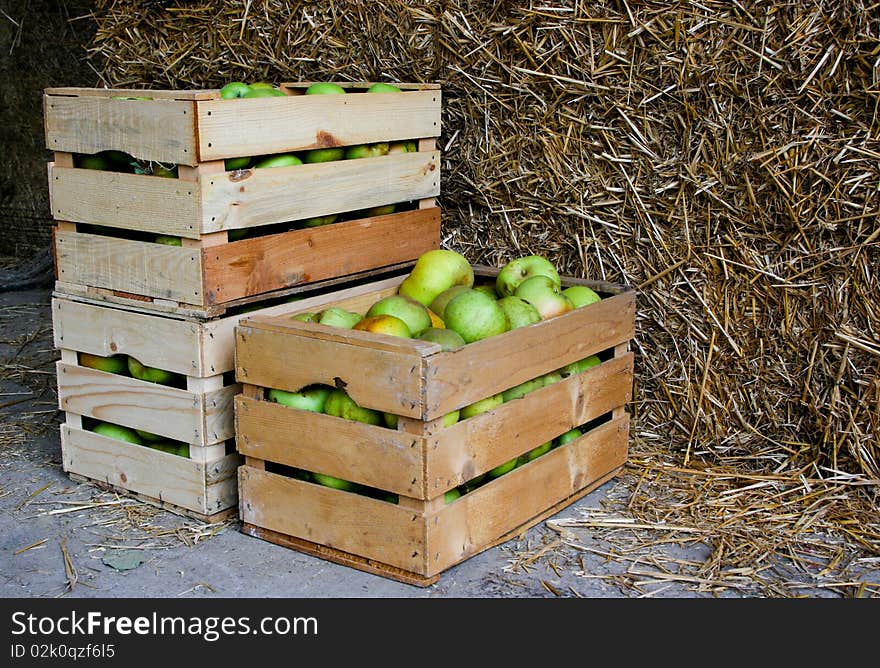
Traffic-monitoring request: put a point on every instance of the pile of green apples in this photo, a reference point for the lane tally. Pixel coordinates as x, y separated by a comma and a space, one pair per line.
440, 301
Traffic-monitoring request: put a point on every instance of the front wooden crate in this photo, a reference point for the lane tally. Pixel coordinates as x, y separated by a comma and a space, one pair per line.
108, 221
420, 536
197, 411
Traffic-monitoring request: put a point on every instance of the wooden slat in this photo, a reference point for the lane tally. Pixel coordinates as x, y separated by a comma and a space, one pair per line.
159, 409
157, 341
372, 377
128, 201
475, 521
137, 267
366, 454
262, 264
156, 94
246, 127
460, 377
166, 477
162, 130
341, 520
473, 446
248, 198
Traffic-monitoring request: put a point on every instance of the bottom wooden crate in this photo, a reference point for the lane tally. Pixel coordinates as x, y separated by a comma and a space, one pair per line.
207, 491
416, 545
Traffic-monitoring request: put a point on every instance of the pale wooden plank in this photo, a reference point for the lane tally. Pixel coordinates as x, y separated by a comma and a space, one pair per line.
476, 520
158, 409
379, 379
366, 454
341, 520
162, 476
160, 130
248, 198
259, 126
157, 341
218, 413
470, 447
156, 94
128, 201
138, 267
272, 262
459, 377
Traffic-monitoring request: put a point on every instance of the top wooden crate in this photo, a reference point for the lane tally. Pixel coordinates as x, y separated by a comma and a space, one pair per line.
197, 131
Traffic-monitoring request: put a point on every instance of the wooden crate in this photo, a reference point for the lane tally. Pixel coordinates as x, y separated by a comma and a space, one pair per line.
421, 536
108, 220
199, 412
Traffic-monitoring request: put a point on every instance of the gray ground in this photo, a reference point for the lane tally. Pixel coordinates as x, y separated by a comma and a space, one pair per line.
63, 538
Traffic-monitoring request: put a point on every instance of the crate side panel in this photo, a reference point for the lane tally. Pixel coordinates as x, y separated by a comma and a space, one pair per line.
370, 455
162, 130
166, 411
342, 520
128, 201
460, 377
473, 446
247, 127
137, 267
156, 341
379, 379
156, 474
252, 197
262, 264
476, 520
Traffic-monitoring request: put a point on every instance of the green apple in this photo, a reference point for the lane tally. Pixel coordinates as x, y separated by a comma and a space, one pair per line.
118, 431
168, 172
325, 88
171, 447
335, 483
438, 305
501, 469
231, 164
519, 312
308, 316
151, 374
279, 160
413, 313
448, 339
581, 295
475, 315
234, 89
516, 271
534, 453
550, 378
482, 406
488, 289
309, 398
149, 437
568, 436
379, 210
580, 365
436, 270
339, 404
390, 420
544, 294
260, 91
521, 390
120, 158
381, 87
408, 146
111, 364
317, 221
451, 495
338, 317
384, 323
168, 240
262, 84
91, 161
324, 155
366, 150
451, 418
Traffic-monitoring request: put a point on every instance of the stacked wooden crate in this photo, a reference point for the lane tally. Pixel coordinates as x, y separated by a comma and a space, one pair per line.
403, 517
241, 247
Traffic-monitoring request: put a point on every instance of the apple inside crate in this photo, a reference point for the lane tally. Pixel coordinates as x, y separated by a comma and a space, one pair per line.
430, 492
215, 235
